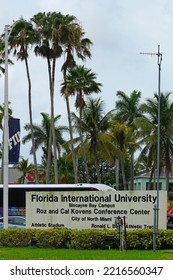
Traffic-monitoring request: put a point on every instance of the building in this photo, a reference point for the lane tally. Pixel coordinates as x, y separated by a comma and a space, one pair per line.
13, 175
142, 179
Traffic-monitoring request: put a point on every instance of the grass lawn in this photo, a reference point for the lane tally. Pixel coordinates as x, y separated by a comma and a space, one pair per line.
30, 253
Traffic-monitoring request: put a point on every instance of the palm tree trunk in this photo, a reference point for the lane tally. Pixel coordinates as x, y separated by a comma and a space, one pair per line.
97, 167
132, 171
31, 122
52, 137
52, 122
117, 167
123, 175
74, 160
49, 158
83, 151
151, 176
50, 132
71, 140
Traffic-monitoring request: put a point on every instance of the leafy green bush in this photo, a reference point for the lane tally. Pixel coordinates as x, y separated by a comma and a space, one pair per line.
165, 239
93, 239
15, 237
84, 239
140, 239
57, 238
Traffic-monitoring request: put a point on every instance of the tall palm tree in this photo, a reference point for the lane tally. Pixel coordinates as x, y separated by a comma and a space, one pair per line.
48, 29
41, 135
53, 30
81, 81
21, 37
94, 124
74, 43
148, 125
127, 110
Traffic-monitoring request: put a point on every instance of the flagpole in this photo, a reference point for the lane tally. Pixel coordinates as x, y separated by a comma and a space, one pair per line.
6, 136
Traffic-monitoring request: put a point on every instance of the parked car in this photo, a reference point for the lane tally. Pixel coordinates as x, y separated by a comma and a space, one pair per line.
170, 221
14, 222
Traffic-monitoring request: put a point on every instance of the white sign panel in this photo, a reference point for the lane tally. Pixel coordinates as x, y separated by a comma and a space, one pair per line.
94, 210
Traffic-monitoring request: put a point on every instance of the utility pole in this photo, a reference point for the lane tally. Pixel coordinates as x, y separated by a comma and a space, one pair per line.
159, 56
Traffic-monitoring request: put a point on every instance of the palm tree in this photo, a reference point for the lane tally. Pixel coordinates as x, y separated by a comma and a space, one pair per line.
2, 60
81, 81
149, 132
48, 30
94, 124
127, 110
65, 167
74, 42
53, 30
2, 55
121, 138
41, 135
128, 107
24, 167
2, 114
21, 37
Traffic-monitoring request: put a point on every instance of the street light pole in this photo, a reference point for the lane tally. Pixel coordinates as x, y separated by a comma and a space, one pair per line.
159, 55
8, 30
6, 135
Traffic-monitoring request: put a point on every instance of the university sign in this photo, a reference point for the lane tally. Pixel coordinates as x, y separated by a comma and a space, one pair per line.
94, 210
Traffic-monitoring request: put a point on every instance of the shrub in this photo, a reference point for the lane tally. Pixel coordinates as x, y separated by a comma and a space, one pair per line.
15, 237
57, 238
165, 239
140, 239
84, 239
93, 239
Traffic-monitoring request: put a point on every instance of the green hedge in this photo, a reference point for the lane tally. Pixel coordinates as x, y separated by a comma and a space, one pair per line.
16, 237
84, 239
93, 239
57, 238
140, 239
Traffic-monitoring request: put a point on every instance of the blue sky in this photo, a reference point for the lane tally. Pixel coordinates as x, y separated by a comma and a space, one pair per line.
119, 30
